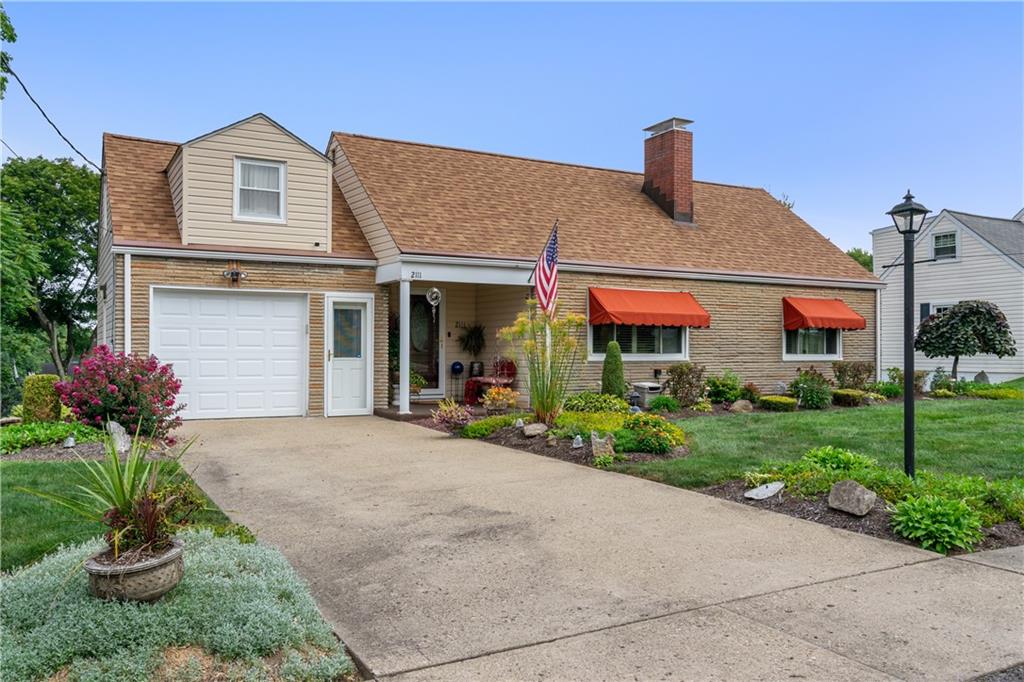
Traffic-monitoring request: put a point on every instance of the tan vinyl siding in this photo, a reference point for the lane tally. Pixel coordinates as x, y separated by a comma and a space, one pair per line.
315, 280
105, 284
380, 240
978, 273
209, 174
176, 180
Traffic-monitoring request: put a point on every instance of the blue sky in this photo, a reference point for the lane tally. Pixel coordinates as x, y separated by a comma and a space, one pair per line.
840, 106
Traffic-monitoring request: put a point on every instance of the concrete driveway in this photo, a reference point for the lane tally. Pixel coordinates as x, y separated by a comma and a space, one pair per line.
440, 558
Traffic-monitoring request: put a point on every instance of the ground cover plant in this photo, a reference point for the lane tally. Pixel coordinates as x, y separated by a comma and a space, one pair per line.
242, 604
972, 437
32, 526
589, 401
17, 437
645, 432
481, 428
664, 403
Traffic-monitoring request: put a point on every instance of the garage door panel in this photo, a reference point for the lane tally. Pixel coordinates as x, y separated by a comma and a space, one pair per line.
237, 354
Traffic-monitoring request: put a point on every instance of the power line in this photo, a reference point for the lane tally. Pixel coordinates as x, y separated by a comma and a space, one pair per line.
16, 154
52, 124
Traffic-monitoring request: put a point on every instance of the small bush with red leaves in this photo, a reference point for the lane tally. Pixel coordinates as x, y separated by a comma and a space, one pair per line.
131, 389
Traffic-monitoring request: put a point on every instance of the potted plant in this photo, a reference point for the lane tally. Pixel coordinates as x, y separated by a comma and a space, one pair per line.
416, 382
142, 506
498, 399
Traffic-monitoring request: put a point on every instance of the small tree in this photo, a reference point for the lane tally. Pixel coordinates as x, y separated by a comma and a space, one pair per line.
613, 379
966, 329
551, 348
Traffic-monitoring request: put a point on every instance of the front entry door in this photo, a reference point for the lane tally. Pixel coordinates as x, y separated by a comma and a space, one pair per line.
426, 354
347, 353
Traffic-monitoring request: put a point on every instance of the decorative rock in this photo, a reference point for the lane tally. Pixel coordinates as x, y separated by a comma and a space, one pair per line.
981, 378
851, 497
535, 429
635, 408
577, 442
763, 492
69, 442
602, 446
552, 440
122, 442
7, 421
519, 423
741, 406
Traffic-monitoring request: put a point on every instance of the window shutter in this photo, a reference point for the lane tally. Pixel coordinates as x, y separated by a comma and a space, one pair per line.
926, 310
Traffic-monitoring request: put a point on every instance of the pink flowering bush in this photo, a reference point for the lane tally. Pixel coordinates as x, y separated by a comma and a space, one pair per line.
133, 390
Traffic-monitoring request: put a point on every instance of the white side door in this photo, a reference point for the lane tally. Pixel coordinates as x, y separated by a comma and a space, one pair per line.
349, 357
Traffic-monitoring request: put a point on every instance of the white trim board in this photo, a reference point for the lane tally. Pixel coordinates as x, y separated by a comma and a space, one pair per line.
162, 252
369, 300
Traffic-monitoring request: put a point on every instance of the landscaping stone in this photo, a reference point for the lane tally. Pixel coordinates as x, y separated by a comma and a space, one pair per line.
519, 423
69, 442
122, 441
763, 492
577, 442
602, 446
535, 429
7, 421
741, 406
852, 498
552, 440
981, 378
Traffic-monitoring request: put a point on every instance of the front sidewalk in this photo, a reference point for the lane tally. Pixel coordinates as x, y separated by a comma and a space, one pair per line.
425, 550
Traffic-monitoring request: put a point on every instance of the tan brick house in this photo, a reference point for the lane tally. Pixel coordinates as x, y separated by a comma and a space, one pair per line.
272, 274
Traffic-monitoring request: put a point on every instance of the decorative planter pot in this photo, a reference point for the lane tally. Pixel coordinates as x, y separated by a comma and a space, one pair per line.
147, 580
496, 409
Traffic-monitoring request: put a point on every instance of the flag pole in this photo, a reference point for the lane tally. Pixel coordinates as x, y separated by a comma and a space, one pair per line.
542, 249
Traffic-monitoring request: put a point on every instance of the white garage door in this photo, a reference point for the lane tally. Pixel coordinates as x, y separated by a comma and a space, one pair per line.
237, 354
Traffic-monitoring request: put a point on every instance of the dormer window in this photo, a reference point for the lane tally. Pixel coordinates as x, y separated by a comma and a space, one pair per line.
944, 246
259, 190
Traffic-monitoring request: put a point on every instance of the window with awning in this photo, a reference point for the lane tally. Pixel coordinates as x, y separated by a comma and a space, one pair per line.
813, 327
646, 324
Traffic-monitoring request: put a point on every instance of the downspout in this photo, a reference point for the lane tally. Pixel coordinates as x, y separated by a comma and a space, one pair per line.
878, 334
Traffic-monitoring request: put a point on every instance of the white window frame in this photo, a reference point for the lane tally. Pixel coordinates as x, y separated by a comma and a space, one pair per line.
956, 245
282, 167
797, 357
640, 357
943, 304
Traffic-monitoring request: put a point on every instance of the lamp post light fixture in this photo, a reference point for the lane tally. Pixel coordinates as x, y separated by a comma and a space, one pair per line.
908, 217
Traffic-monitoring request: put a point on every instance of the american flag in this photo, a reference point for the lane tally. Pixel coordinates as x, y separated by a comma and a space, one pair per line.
546, 274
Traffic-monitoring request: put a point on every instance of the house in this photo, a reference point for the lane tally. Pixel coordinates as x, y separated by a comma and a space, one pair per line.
958, 257
271, 273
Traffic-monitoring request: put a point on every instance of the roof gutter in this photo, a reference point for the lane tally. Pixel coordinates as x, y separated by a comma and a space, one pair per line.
242, 256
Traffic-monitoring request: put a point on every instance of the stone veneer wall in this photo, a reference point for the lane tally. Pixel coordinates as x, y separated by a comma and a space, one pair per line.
315, 280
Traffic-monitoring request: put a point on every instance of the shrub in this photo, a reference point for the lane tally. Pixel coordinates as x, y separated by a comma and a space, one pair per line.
937, 523
895, 375
702, 405
500, 397
811, 389
664, 403
819, 469
941, 380
887, 389
572, 424
837, 459
997, 393
750, 392
137, 392
724, 388
685, 383
603, 461
943, 393
589, 401
853, 373
451, 415
482, 428
20, 436
645, 432
41, 401
613, 379
777, 403
877, 397
849, 397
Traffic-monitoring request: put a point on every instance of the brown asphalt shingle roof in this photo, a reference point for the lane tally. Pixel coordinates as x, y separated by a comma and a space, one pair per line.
439, 200
142, 211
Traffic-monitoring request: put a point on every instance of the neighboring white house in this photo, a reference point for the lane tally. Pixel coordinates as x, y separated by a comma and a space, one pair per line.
958, 257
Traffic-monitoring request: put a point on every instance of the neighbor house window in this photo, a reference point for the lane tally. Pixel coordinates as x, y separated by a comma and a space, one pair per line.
818, 344
944, 246
639, 341
259, 190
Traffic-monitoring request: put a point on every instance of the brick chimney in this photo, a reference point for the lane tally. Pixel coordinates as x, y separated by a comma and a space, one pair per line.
668, 168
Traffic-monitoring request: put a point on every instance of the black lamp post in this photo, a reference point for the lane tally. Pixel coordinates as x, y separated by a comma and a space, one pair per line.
908, 217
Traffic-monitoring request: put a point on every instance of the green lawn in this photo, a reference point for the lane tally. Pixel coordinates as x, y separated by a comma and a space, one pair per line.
1016, 383
31, 526
983, 437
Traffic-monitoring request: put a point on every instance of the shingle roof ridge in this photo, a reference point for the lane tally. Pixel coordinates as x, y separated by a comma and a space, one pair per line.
141, 139
986, 217
520, 158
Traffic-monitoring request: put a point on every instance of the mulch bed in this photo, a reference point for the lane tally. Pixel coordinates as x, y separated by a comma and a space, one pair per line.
59, 453
561, 448
876, 523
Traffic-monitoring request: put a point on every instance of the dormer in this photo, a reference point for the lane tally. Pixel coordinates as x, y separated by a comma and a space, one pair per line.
252, 184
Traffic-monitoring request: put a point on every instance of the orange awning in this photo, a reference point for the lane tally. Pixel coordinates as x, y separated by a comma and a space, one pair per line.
662, 308
819, 313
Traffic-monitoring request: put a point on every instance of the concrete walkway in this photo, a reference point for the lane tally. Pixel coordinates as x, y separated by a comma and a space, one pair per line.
440, 558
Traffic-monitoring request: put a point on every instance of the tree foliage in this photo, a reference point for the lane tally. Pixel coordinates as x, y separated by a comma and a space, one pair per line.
968, 328
8, 36
862, 256
57, 203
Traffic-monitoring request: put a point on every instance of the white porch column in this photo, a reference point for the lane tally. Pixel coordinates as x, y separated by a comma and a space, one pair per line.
403, 347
